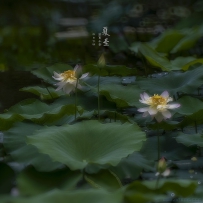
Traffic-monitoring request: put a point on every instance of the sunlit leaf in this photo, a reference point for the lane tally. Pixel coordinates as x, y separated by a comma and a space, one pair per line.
166, 42
187, 65
188, 41
154, 58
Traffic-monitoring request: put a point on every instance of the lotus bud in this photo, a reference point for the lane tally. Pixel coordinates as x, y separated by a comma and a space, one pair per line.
101, 61
161, 167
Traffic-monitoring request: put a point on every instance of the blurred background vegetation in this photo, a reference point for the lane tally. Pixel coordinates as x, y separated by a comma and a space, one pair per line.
35, 34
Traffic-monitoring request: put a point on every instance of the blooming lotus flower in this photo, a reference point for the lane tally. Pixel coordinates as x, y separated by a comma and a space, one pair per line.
158, 105
68, 79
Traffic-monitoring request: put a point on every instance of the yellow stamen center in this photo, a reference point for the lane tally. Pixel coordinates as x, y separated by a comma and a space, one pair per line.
158, 100
68, 75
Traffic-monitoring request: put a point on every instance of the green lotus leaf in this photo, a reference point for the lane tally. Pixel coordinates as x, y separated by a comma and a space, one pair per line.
169, 148
188, 164
167, 41
123, 96
187, 65
93, 80
110, 70
79, 196
193, 119
135, 47
132, 166
189, 105
16, 147
104, 179
188, 41
46, 73
43, 93
88, 142
32, 182
36, 111
174, 82
190, 139
182, 188
165, 125
154, 58
183, 62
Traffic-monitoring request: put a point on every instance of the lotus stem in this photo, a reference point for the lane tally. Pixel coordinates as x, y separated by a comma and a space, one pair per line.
76, 99
196, 126
98, 88
47, 89
157, 182
115, 116
158, 146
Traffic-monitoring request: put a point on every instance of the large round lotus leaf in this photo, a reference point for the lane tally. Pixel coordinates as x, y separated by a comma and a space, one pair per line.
86, 196
88, 142
174, 82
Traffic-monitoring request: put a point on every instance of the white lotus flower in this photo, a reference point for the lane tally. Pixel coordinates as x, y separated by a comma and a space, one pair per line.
68, 80
158, 105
